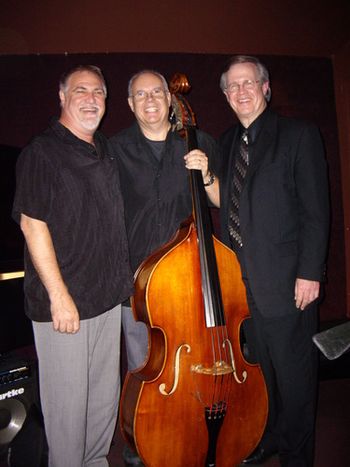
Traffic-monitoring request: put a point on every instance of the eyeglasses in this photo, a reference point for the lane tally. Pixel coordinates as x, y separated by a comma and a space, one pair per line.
247, 85
156, 93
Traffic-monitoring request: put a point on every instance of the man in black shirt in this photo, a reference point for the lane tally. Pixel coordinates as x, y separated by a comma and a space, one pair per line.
77, 273
155, 185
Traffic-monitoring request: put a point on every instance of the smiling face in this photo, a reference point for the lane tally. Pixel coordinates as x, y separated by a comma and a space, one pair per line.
82, 104
150, 103
245, 93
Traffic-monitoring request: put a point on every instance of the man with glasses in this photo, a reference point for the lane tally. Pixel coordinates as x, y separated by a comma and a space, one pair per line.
275, 216
153, 163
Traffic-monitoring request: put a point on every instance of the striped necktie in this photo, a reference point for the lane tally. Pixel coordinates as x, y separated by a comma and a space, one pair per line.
239, 173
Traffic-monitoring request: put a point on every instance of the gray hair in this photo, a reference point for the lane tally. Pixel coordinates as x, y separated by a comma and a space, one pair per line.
143, 72
63, 84
261, 68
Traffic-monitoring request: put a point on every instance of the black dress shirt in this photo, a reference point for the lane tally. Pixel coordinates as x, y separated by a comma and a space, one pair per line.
156, 190
73, 187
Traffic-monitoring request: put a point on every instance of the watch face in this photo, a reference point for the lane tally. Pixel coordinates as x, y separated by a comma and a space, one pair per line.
211, 180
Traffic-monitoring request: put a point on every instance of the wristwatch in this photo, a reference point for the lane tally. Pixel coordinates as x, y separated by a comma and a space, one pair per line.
211, 180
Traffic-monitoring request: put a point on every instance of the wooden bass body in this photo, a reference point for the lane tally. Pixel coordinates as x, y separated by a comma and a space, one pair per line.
196, 402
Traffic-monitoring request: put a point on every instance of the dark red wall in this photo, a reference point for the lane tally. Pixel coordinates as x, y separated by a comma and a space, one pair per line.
288, 27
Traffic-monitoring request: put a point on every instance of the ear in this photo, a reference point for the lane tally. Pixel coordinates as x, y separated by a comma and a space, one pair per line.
168, 96
131, 104
62, 98
226, 95
265, 87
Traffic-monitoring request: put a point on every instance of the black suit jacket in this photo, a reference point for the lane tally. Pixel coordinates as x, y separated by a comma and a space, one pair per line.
284, 209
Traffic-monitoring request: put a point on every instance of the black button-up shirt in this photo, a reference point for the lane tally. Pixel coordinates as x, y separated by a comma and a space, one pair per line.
156, 190
73, 187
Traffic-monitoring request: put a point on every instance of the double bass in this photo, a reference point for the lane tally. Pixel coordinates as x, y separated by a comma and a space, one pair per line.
196, 401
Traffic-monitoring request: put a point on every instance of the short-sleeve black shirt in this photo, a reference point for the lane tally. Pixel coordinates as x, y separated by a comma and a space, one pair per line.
156, 191
73, 187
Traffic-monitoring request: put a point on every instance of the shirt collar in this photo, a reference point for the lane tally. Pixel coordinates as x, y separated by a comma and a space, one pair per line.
70, 138
255, 127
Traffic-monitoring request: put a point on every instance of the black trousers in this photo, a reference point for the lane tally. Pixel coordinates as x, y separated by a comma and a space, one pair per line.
288, 358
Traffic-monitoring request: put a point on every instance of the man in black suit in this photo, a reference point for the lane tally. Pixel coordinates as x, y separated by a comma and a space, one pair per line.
275, 216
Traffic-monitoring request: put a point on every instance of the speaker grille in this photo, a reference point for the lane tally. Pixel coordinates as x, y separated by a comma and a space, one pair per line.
18, 393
